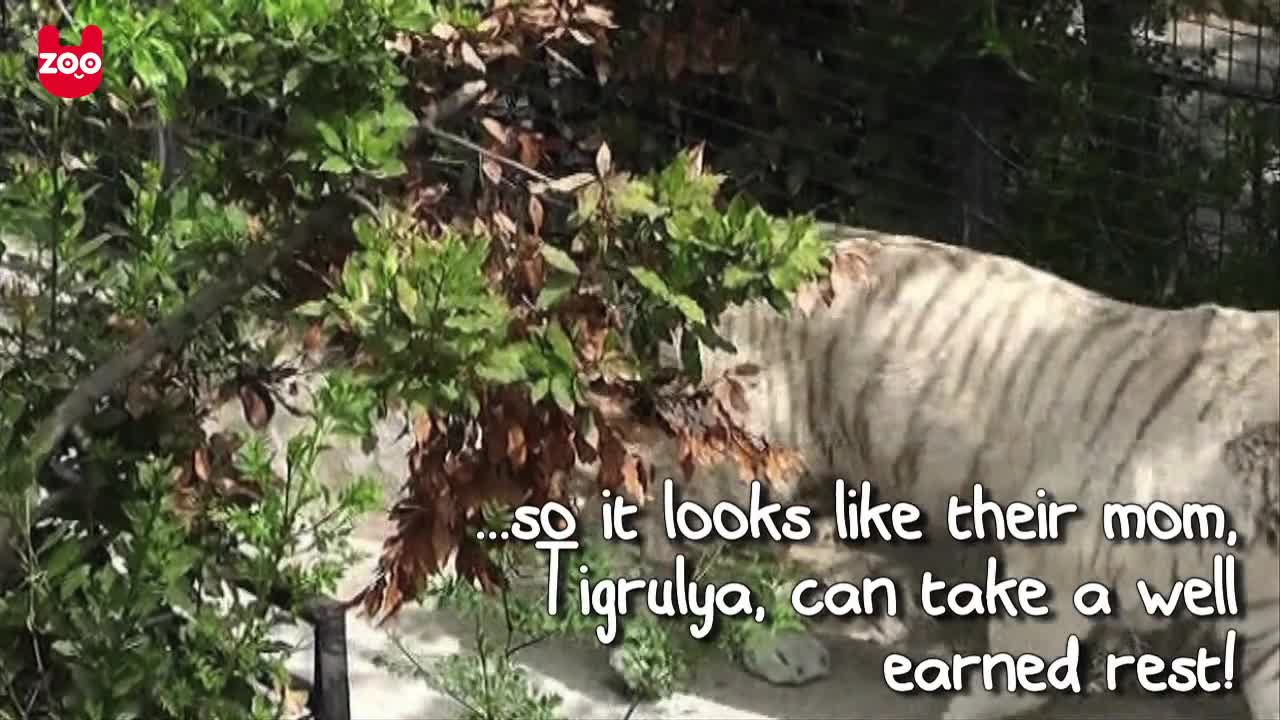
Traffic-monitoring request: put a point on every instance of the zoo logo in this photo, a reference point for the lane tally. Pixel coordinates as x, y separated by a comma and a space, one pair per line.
68, 71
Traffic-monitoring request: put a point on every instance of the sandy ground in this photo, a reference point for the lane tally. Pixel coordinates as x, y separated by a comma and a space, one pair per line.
580, 674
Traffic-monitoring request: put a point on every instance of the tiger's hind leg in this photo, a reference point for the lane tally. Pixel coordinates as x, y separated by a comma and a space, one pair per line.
1045, 637
1016, 636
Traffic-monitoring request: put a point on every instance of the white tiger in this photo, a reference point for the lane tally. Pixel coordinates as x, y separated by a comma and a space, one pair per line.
939, 367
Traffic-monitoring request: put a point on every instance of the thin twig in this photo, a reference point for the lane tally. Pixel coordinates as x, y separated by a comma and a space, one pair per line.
169, 334
426, 675
67, 14
463, 96
452, 104
513, 164
55, 225
565, 62
533, 640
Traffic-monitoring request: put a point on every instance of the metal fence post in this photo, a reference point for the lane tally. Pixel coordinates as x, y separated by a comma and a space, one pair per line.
331, 691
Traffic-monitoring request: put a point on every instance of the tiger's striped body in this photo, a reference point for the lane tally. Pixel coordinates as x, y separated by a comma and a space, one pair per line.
941, 367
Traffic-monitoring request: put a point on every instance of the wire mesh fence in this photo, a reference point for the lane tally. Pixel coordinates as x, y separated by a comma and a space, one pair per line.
1129, 146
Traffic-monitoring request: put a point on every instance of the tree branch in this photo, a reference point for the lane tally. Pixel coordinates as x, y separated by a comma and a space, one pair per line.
169, 334
173, 331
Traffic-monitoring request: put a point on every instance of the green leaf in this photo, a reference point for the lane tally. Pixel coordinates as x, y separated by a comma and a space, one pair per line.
398, 117
407, 296
313, 308
562, 392
736, 276
145, 67
558, 259
293, 78
588, 202
561, 345
66, 648
84, 250
336, 165
503, 365
63, 557
689, 308
167, 57
635, 197
394, 167
554, 291
539, 389
650, 281
329, 136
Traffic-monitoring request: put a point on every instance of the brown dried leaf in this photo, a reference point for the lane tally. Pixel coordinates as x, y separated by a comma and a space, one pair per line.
472, 58
473, 563
499, 49
598, 15
422, 429
604, 160
504, 222
444, 31
495, 129
611, 406
538, 16
571, 183
695, 158
535, 214
557, 447
200, 463
314, 339
612, 457
634, 480
257, 404
491, 170
530, 149
530, 272
517, 448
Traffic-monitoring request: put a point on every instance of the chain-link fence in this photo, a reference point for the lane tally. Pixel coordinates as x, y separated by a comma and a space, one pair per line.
1131, 146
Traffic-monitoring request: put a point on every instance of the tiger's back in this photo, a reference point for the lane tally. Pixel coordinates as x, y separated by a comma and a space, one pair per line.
939, 367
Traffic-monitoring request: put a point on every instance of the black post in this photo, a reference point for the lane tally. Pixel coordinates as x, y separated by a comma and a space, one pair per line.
331, 692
